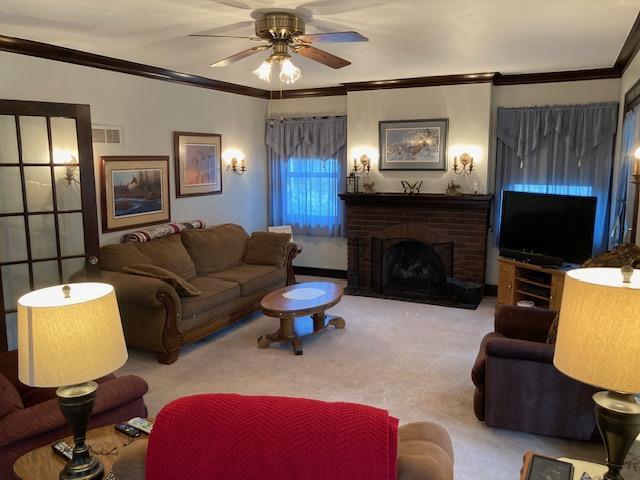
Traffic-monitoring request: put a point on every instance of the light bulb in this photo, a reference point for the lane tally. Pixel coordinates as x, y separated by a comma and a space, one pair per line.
289, 73
263, 72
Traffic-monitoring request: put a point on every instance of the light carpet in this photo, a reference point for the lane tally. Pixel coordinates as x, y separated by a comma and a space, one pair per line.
413, 359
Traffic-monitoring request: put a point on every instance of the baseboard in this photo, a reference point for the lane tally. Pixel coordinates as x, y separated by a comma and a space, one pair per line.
320, 272
490, 290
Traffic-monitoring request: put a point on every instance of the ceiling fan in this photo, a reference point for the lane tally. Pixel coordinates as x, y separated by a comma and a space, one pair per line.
285, 33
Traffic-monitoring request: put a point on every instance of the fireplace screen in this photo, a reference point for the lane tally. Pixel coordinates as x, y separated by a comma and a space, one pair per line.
411, 268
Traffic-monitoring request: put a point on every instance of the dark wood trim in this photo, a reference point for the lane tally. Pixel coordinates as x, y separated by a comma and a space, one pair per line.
103, 189
432, 81
551, 77
78, 57
176, 163
320, 272
54, 198
630, 48
632, 97
309, 92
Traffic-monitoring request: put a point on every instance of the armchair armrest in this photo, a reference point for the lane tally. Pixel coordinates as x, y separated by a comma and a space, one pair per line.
523, 323
46, 416
520, 350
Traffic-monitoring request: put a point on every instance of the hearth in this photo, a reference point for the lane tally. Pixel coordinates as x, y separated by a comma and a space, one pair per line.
410, 267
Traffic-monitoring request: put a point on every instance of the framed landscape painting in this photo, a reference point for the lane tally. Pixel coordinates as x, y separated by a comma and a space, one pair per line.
198, 163
134, 192
413, 144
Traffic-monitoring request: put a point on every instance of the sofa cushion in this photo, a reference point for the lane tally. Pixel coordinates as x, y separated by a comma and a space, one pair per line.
216, 248
169, 252
252, 278
214, 293
10, 400
267, 248
184, 288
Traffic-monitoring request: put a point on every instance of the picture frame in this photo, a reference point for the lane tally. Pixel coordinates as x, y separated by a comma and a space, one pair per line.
198, 163
134, 191
413, 144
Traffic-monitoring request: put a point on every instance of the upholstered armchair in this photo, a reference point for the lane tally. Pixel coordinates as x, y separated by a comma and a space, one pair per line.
30, 417
517, 386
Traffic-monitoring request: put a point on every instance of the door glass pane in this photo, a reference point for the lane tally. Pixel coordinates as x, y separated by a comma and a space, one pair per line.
15, 283
43, 236
38, 183
71, 266
12, 330
68, 188
10, 190
34, 139
64, 140
71, 234
8, 139
45, 274
13, 241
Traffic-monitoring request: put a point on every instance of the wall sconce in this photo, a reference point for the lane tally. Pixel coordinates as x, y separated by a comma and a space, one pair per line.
465, 166
363, 167
70, 162
235, 161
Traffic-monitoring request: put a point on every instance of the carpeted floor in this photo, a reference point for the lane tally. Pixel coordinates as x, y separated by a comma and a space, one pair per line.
412, 359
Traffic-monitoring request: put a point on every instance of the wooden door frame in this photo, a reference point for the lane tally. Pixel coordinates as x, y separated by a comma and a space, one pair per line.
81, 113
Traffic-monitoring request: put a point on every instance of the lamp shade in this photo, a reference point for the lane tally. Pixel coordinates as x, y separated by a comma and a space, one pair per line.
69, 340
598, 340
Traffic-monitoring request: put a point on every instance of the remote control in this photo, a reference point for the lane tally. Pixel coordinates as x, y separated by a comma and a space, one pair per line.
63, 450
141, 424
127, 429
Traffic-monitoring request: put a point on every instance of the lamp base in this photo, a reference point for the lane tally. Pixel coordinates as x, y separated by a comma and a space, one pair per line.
76, 404
618, 419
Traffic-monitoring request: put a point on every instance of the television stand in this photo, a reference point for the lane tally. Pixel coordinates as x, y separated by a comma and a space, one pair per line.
526, 281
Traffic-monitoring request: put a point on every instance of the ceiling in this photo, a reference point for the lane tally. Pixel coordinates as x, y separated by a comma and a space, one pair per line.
408, 38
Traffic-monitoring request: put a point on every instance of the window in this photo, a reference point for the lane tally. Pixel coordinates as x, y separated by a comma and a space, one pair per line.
311, 188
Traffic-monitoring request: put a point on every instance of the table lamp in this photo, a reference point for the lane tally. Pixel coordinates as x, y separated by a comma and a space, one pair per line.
598, 343
67, 337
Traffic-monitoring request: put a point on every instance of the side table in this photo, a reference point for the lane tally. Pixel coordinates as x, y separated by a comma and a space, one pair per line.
42, 464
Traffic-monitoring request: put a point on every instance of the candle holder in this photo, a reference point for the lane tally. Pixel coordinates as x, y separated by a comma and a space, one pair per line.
363, 167
238, 169
465, 166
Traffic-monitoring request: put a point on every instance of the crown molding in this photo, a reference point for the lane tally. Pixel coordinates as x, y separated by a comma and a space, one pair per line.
630, 47
78, 57
552, 77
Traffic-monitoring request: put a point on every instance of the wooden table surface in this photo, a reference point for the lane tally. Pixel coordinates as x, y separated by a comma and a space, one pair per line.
301, 299
43, 464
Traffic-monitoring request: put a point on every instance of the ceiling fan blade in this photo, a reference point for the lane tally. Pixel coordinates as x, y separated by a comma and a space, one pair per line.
253, 39
321, 56
333, 37
239, 56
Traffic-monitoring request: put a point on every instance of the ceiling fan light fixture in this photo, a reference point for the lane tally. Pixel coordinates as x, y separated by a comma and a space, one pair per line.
289, 73
263, 72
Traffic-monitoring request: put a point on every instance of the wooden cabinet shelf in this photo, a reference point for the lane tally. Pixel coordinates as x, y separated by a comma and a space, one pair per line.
524, 281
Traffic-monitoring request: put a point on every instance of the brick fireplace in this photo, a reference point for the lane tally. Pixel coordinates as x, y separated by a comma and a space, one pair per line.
433, 220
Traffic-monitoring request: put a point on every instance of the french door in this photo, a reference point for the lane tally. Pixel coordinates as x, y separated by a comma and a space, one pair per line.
48, 224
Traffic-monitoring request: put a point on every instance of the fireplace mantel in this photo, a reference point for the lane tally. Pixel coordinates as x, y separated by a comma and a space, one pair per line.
418, 199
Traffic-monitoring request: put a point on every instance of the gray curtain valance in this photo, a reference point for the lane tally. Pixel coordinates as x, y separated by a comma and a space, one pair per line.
581, 127
314, 137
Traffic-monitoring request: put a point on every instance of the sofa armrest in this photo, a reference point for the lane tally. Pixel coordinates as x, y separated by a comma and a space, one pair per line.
140, 289
46, 416
520, 350
291, 252
523, 323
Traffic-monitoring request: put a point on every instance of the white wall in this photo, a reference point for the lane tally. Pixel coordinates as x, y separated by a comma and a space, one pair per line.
149, 111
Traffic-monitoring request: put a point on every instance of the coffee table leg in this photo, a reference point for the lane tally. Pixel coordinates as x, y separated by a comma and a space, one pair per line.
337, 322
318, 321
286, 333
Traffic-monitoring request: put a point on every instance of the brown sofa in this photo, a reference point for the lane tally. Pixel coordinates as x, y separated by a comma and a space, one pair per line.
232, 270
31, 417
425, 452
517, 385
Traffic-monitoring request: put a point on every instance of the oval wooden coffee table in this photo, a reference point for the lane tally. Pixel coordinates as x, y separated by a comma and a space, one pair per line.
309, 299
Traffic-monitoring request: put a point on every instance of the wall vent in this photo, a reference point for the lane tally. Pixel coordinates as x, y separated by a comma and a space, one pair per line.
106, 134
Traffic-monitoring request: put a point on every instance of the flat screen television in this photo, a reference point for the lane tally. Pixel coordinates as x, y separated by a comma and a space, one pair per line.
547, 229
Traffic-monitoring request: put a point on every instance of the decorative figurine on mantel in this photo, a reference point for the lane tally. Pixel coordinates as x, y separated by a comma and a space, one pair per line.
411, 188
454, 188
369, 187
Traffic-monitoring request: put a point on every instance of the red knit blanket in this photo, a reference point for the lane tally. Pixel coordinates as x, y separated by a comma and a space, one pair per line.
235, 437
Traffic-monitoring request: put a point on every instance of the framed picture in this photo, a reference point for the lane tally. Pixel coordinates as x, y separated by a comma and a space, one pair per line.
198, 163
134, 192
413, 144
